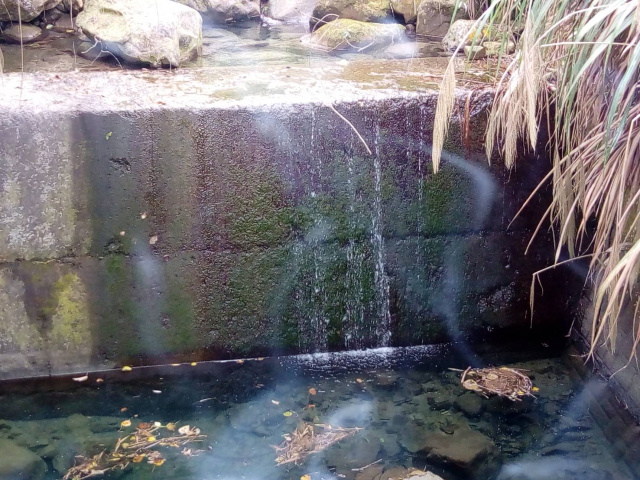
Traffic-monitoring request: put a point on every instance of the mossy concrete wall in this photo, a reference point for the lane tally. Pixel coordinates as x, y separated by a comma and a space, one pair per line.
153, 216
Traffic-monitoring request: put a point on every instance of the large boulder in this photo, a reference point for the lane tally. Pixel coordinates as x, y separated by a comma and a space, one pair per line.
290, 11
18, 463
361, 10
435, 16
225, 11
406, 9
154, 32
25, 10
345, 34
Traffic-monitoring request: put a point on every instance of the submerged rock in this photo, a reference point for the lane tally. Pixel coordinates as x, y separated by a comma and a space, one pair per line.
29, 33
465, 449
470, 404
72, 6
361, 10
154, 32
18, 463
28, 9
434, 16
225, 11
346, 34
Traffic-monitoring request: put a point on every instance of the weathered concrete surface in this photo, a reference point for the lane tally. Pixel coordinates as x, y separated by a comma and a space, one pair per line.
620, 366
227, 212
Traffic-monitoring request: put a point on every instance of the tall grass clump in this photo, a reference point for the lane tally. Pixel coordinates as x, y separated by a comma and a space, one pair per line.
577, 65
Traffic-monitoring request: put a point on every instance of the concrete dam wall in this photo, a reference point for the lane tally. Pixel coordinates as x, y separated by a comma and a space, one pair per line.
152, 216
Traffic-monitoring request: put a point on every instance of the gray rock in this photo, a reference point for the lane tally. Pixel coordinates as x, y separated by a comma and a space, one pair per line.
29, 33
435, 16
461, 31
17, 463
154, 32
29, 9
470, 404
407, 9
475, 52
290, 11
72, 6
361, 10
346, 34
225, 11
466, 449
493, 50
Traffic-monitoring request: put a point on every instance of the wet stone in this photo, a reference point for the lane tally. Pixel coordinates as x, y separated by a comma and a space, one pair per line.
470, 404
18, 463
29, 33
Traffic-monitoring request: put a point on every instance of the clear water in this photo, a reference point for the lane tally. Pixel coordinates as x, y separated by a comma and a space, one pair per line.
399, 397
251, 44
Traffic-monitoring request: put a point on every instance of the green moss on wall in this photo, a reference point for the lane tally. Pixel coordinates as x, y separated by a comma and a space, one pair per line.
70, 329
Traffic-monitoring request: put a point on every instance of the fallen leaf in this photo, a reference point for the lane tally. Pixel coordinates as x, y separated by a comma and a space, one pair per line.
193, 364
157, 424
175, 364
153, 240
310, 406
138, 458
151, 439
157, 392
144, 426
123, 233
260, 359
305, 477
126, 368
99, 380
275, 402
312, 391
123, 409
158, 461
288, 413
259, 385
171, 426
125, 423
535, 389
108, 135
81, 379
143, 215
240, 361
184, 430
359, 380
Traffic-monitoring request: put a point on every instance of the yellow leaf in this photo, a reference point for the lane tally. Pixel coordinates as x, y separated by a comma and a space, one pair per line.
157, 424
123, 409
171, 427
99, 380
535, 389
125, 423
260, 359
305, 477
126, 368
125, 445
158, 461
193, 364
520, 392
175, 364
312, 391
138, 458
288, 413
359, 380
240, 361
151, 439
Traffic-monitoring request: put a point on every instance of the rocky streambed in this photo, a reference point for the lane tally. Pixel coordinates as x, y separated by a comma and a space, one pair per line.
412, 417
57, 35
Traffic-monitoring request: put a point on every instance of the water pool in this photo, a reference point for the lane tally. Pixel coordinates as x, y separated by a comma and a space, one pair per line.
412, 411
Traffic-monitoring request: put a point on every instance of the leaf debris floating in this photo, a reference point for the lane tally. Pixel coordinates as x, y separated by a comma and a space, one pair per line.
504, 382
135, 448
304, 441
